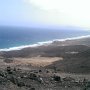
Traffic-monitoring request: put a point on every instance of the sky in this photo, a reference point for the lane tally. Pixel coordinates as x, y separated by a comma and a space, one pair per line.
40, 13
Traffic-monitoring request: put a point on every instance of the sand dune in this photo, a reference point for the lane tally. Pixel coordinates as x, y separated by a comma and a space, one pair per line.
36, 61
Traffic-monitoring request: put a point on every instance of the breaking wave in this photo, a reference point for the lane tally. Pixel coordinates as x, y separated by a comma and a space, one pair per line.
42, 43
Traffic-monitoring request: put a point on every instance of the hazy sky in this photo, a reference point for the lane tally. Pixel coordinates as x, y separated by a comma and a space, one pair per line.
45, 12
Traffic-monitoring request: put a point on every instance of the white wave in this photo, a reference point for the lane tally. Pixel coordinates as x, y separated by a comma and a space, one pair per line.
26, 46
19, 47
42, 43
73, 38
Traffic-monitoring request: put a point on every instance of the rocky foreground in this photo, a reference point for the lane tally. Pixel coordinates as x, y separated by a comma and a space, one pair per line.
40, 79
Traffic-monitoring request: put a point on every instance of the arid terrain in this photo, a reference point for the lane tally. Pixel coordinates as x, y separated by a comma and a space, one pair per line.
62, 65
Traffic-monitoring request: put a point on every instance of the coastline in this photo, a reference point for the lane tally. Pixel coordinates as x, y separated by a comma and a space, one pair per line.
75, 53
43, 43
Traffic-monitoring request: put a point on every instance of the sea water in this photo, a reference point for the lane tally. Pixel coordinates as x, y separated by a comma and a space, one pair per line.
12, 38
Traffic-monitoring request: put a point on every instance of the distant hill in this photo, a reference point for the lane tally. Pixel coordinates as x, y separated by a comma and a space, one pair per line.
74, 63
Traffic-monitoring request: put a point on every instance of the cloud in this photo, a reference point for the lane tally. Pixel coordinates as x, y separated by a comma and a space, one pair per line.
62, 5
73, 12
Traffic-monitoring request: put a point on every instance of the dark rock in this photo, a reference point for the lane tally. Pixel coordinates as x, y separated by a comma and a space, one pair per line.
8, 60
40, 70
57, 78
2, 79
32, 89
33, 76
29, 86
9, 70
20, 84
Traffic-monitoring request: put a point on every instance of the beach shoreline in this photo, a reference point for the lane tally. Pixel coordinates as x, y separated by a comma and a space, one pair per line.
44, 43
74, 53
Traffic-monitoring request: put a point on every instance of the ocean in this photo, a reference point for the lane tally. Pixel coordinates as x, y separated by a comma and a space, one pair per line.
12, 38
